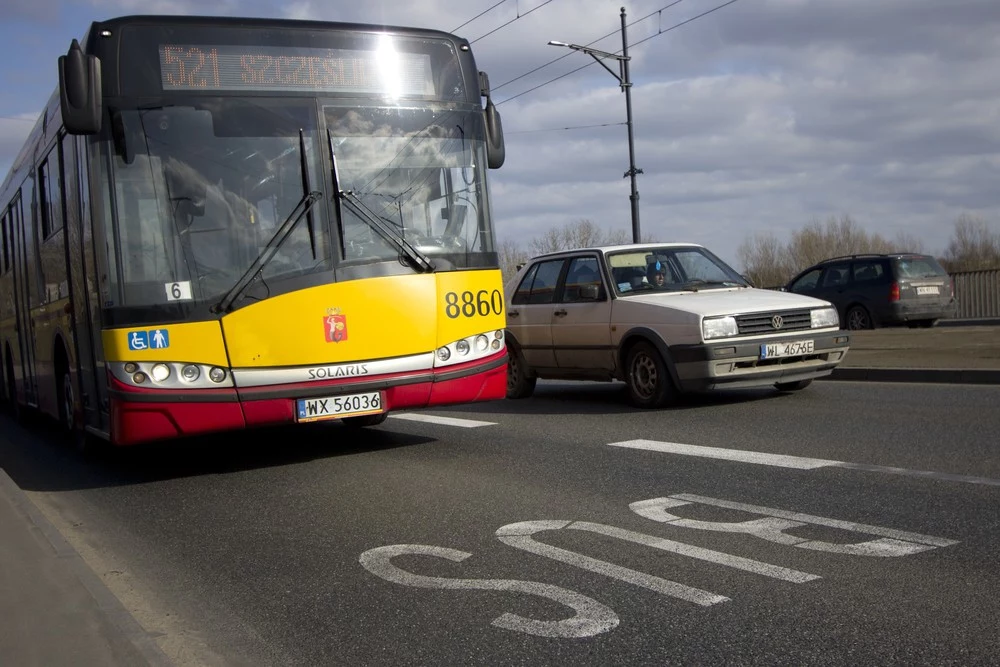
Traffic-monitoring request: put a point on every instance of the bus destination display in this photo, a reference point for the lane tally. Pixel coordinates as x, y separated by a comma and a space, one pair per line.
261, 68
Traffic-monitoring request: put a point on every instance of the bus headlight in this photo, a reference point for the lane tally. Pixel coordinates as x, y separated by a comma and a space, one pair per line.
190, 373
160, 372
171, 374
470, 348
217, 374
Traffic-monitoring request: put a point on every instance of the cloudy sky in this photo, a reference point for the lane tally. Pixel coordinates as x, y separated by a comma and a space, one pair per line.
759, 117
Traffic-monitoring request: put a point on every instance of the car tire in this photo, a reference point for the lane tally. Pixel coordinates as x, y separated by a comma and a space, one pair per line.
858, 319
365, 420
793, 386
647, 377
519, 383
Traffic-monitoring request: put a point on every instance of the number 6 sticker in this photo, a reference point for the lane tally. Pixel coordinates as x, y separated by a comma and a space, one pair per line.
179, 291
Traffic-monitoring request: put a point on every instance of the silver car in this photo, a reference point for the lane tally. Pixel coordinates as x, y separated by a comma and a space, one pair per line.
665, 319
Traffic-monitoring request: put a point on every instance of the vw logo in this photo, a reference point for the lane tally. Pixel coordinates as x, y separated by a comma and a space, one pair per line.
777, 322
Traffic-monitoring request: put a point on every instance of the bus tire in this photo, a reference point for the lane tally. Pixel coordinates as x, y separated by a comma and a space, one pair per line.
65, 394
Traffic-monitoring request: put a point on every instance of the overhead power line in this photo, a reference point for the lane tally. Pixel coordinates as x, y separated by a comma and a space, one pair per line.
559, 129
662, 31
501, 27
486, 11
610, 34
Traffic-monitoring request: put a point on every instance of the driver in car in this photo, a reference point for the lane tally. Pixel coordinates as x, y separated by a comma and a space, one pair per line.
656, 275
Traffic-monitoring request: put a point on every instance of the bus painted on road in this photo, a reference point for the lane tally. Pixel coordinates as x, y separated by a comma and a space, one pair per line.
222, 223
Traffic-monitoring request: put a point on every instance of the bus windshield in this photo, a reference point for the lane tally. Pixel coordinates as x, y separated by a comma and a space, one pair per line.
421, 172
200, 189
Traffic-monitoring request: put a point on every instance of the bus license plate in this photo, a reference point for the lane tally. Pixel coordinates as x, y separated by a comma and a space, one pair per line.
337, 407
792, 348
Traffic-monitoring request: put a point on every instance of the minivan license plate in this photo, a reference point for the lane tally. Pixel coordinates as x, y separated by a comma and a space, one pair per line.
337, 407
793, 348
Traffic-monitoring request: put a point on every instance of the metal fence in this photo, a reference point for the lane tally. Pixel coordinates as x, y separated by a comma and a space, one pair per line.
978, 293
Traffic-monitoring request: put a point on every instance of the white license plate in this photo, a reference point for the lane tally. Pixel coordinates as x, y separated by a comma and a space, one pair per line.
928, 289
792, 348
336, 407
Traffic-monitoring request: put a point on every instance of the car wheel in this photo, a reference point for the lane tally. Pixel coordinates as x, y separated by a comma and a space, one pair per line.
793, 386
647, 377
365, 420
858, 318
519, 383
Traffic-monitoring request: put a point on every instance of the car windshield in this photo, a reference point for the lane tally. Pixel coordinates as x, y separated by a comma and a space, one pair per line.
672, 269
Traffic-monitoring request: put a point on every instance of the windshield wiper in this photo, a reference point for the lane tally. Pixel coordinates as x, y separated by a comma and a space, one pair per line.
417, 259
301, 209
694, 284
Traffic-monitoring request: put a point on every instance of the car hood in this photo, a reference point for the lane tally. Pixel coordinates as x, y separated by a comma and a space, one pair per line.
734, 301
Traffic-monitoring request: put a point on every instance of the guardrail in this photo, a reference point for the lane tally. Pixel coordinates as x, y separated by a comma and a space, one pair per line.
978, 293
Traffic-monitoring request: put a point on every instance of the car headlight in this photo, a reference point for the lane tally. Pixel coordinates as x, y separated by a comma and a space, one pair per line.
824, 317
719, 327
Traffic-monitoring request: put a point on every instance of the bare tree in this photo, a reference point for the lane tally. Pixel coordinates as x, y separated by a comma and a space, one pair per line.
511, 256
581, 234
973, 246
765, 260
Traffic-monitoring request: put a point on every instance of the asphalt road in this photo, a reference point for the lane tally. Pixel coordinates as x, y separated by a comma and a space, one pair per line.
874, 534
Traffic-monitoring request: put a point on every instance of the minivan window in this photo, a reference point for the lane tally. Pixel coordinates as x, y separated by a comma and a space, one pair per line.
919, 267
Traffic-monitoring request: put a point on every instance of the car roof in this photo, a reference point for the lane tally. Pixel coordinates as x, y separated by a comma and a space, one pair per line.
879, 255
615, 248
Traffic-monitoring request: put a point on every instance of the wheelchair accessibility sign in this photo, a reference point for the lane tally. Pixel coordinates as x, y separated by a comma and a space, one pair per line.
155, 339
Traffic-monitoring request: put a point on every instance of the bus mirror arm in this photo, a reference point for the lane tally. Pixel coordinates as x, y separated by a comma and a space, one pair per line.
80, 97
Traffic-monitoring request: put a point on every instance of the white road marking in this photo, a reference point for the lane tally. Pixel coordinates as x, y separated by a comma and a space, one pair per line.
444, 421
591, 616
891, 543
518, 535
739, 455
787, 461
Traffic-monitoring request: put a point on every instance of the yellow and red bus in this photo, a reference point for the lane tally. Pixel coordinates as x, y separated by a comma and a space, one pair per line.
222, 223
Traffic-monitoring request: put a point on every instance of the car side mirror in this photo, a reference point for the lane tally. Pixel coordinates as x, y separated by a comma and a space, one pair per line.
589, 292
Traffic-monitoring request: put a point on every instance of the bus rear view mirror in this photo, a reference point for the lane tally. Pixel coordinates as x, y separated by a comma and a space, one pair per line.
80, 91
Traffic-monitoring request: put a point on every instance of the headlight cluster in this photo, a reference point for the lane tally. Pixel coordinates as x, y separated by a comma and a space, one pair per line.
824, 317
469, 349
719, 327
171, 375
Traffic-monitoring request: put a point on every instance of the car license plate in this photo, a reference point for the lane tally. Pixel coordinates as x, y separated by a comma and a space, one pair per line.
928, 289
337, 407
792, 348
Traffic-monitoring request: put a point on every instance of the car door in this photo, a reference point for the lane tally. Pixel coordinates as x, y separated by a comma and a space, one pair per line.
581, 333
834, 285
530, 314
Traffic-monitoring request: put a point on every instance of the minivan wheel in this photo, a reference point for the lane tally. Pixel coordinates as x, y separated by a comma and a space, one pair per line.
519, 383
647, 377
858, 318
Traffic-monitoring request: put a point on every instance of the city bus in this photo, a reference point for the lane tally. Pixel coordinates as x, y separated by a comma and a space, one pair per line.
226, 223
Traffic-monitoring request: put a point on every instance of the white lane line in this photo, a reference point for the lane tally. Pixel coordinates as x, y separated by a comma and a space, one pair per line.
779, 460
444, 421
786, 461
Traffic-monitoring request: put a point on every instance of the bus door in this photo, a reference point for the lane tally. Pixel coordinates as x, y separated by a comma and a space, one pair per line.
25, 282
82, 285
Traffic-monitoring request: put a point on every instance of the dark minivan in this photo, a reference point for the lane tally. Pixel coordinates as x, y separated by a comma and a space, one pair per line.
879, 290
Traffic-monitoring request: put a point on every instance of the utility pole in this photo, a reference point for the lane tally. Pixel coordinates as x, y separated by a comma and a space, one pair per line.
626, 85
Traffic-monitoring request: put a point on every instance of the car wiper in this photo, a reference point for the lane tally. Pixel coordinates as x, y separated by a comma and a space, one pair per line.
693, 285
301, 209
417, 259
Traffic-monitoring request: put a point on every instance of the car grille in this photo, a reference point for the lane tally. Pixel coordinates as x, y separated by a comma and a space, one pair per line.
763, 323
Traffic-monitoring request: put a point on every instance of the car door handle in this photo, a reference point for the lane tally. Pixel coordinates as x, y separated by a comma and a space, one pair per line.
560, 313
512, 313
